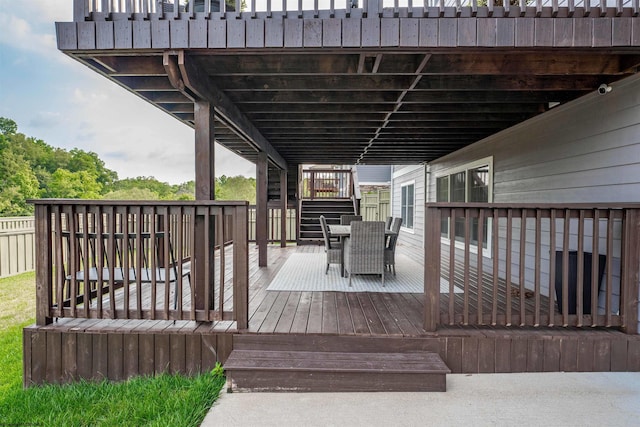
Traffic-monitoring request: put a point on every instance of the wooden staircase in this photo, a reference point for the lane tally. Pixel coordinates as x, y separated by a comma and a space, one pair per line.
291, 363
310, 211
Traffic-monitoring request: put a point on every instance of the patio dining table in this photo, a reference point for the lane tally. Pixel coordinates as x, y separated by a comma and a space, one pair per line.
344, 231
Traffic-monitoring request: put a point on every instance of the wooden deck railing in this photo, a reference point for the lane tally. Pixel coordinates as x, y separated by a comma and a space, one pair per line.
100, 10
327, 184
274, 231
511, 265
141, 260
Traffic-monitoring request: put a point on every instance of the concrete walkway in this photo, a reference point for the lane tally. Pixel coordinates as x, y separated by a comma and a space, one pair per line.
531, 399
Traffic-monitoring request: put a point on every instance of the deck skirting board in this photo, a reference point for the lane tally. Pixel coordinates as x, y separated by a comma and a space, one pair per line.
117, 350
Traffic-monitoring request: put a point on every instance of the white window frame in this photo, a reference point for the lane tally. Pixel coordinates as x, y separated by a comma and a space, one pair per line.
413, 220
487, 161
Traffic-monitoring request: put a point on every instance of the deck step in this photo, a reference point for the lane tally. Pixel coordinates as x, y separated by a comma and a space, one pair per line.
328, 371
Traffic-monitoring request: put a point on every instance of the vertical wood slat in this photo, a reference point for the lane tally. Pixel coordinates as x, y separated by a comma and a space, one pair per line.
480, 279
166, 228
432, 269
537, 266
580, 270
138, 249
452, 264
508, 248
565, 268
521, 273
99, 250
221, 235
552, 265
73, 259
111, 256
631, 270
496, 265
59, 260
241, 267
44, 265
595, 269
609, 270
208, 277
153, 259
467, 238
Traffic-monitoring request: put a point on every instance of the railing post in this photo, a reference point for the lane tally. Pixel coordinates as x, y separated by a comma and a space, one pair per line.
630, 270
43, 264
284, 198
241, 267
432, 269
80, 10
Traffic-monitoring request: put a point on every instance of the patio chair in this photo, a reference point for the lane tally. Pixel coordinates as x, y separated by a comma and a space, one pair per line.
364, 249
332, 249
390, 250
347, 219
387, 224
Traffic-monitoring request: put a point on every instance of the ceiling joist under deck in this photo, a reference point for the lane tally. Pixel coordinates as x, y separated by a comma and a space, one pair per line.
368, 105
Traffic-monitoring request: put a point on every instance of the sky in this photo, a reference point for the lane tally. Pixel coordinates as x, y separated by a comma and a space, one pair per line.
64, 103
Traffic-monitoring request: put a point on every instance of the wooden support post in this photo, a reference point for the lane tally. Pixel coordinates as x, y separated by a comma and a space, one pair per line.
432, 269
262, 220
630, 270
44, 266
241, 267
283, 208
80, 11
205, 190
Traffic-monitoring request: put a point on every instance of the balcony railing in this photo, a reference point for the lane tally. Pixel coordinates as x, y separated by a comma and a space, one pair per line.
100, 10
141, 260
327, 184
532, 265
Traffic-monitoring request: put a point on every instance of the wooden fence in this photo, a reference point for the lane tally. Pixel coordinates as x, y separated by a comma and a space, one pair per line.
532, 265
17, 249
274, 231
141, 260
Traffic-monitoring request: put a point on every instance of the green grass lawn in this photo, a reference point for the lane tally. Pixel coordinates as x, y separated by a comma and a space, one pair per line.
165, 400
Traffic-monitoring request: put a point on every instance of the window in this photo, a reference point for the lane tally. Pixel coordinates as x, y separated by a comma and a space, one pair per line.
470, 183
407, 204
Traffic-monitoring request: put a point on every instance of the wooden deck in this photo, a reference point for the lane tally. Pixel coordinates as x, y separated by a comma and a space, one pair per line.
70, 349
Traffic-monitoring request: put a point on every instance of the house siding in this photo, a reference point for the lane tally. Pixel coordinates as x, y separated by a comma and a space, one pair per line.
587, 151
411, 239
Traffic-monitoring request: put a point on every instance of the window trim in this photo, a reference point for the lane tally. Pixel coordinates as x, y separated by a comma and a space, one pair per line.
486, 161
403, 227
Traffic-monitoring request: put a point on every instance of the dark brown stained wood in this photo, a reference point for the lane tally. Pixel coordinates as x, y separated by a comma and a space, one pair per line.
262, 184
177, 352
69, 357
235, 33
563, 32
569, 355
53, 357
345, 323
329, 314
505, 29
225, 346
255, 33
272, 320
100, 368
631, 267
116, 355
104, 35
209, 352
468, 32
314, 324
375, 324
551, 358
360, 325
38, 347
193, 348
470, 354
618, 355
388, 319
370, 32
487, 32
519, 352
409, 32
633, 355
503, 355
27, 366
635, 32
585, 354
85, 355
486, 355
602, 355
146, 351
162, 353
130, 355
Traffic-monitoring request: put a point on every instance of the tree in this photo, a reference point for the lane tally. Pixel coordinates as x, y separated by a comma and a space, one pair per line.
17, 184
8, 126
236, 188
74, 185
89, 161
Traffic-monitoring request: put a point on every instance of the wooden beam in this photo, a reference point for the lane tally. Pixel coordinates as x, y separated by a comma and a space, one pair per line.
262, 219
284, 196
204, 151
202, 86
